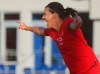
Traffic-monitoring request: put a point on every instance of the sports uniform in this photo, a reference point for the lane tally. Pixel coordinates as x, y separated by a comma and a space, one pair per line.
77, 55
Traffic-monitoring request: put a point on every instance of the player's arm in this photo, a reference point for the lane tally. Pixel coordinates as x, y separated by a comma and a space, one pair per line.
77, 23
34, 29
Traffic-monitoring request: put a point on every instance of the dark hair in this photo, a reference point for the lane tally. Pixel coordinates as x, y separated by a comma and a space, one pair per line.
58, 8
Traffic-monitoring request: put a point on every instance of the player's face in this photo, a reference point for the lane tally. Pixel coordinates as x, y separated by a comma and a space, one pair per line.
49, 17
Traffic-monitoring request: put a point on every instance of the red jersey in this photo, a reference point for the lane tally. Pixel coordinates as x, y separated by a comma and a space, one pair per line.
77, 55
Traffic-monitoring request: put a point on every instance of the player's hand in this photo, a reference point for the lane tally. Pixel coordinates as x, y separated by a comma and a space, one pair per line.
78, 18
22, 26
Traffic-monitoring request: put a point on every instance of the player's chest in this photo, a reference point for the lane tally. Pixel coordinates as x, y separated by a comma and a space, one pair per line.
59, 37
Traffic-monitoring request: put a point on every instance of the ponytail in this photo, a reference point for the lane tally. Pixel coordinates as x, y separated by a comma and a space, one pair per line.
70, 11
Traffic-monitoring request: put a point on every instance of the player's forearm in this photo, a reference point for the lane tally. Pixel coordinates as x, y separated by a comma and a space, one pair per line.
35, 29
76, 24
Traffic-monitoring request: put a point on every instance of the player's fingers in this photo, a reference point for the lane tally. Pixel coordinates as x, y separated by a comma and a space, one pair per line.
19, 27
20, 23
76, 14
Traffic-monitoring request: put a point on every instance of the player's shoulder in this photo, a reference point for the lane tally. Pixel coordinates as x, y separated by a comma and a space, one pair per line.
69, 19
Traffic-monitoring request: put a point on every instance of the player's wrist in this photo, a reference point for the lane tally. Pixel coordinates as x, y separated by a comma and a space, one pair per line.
27, 28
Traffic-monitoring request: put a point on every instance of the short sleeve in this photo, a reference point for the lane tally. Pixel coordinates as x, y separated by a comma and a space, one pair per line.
69, 20
46, 31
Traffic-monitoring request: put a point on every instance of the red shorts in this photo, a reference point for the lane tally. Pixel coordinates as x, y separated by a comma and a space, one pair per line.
94, 70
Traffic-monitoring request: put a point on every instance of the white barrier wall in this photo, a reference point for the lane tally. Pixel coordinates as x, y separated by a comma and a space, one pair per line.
95, 9
96, 38
38, 6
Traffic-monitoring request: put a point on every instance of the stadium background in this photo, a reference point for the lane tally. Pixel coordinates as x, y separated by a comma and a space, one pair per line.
23, 51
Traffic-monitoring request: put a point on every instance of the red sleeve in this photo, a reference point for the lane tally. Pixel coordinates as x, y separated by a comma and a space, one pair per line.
46, 31
69, 20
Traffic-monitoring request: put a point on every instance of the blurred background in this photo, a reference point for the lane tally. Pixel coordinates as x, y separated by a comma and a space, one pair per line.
23, 52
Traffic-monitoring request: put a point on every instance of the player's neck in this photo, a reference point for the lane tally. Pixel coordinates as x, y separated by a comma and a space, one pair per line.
58, 24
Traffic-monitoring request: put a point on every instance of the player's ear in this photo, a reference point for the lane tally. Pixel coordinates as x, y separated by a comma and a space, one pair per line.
55, 14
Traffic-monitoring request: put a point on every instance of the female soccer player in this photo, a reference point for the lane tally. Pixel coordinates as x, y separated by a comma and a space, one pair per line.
63, 26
